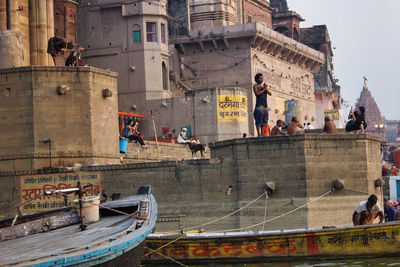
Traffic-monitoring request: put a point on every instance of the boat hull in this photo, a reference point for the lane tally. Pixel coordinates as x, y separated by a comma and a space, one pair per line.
382, 239
108, 242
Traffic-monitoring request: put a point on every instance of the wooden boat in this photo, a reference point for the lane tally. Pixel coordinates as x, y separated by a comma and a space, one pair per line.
300, 244
115, 240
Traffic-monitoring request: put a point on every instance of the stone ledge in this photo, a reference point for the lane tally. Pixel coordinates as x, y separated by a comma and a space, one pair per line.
58, 69
294, 138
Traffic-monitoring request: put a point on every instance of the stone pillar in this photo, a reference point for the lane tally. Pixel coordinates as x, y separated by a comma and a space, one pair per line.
24, 28
41, 28
14, 4
3, 15
11, 49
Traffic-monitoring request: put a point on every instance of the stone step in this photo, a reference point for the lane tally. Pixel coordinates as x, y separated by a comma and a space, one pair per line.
164, 152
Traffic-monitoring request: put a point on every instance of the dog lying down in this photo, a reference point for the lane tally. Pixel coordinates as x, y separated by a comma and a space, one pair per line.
194, 147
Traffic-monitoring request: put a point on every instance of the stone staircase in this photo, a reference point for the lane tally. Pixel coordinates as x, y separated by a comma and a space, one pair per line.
165, 152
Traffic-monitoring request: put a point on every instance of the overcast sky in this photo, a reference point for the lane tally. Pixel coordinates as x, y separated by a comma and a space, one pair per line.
366, 35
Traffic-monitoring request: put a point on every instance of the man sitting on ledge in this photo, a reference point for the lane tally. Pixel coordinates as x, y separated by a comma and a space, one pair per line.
292, 127
276, 130
329, 126
182, 139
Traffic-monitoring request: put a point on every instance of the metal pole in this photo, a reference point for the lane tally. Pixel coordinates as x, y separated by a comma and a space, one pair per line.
8, 14
80, 194
50, 150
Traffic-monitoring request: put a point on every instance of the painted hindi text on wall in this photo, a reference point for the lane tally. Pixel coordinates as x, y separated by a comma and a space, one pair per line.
33, 188
333, 113
232, 108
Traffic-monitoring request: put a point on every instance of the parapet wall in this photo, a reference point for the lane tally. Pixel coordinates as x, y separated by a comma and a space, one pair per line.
193, 192
66, 104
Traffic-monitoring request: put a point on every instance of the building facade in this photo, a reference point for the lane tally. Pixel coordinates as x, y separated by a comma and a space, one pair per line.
327, 92
232, 55
35, 20
130, 38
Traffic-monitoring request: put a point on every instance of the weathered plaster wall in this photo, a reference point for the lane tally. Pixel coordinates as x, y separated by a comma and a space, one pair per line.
199, 109
286, 81
80, 122
257, 11
303, 167
11, 49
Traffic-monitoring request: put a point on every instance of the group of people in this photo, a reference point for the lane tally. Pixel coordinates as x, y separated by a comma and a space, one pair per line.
131, 131
282, 129
260, 88
391, 171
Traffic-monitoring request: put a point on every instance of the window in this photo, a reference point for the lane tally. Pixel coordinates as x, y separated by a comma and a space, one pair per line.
151, 31
163, 33
136, 36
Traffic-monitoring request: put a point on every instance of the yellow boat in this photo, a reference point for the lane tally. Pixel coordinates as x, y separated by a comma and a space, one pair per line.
299, 244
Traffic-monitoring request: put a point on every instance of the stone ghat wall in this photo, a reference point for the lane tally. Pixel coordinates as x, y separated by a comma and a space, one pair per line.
305, 166
193, 192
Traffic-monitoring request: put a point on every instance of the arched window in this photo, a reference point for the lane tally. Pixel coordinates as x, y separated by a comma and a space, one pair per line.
296, 35
136, 36
164, 76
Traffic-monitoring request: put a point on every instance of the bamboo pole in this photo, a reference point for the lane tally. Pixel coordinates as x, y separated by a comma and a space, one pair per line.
155, 134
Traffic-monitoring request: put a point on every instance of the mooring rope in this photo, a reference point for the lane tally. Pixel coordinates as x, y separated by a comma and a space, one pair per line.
101, 206
219, 219
265, 209
251, 226
163, 246
275, 218
18, 205
358, 191
165, 256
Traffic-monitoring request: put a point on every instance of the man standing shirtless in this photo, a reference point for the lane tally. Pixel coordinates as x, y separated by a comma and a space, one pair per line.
261, 109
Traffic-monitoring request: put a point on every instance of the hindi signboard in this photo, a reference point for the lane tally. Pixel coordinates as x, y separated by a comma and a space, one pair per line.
232, 108
32, 188
333, 113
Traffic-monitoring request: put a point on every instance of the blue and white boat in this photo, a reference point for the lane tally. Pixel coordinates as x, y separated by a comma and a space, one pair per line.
55, 239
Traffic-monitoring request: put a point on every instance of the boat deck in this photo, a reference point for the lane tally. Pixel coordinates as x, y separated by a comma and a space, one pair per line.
63, 240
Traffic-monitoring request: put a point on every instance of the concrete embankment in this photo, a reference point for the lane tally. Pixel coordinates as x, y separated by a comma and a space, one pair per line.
303, 167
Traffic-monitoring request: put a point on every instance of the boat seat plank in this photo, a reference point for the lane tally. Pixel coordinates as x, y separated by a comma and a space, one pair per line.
125, 202
60, 240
